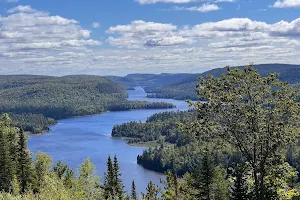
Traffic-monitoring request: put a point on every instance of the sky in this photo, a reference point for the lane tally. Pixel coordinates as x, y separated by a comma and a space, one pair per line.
119, 37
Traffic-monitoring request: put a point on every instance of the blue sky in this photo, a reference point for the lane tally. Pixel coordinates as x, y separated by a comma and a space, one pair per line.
118, 37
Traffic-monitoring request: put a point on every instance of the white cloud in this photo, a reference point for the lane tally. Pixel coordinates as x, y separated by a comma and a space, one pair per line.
140, 26
220, 1
167, 41
182, 1
28, 36
140, 33
20, 8
286, 4
96, 25
165, 1
204, 8
40, 43
12, 1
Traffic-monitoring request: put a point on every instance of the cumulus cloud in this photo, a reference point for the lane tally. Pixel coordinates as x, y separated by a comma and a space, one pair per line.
140, 33
96, 25
165, 1
35, 37
40, 43
181, 1
238, 32
204, 8
286, 4
20, 8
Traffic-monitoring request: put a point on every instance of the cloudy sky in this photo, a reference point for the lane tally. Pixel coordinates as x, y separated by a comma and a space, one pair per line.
117, 37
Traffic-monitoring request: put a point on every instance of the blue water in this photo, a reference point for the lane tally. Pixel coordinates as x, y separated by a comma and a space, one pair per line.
75, 139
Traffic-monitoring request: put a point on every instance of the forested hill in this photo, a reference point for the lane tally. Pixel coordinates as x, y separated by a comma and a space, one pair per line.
61, 97
182, 86
150, 80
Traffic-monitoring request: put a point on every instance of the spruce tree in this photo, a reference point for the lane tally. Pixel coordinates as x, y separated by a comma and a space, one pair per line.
152, 192
118, 184
239, 190
25, 171
8, 145
109, 179
5, 179
203, 177
133, 191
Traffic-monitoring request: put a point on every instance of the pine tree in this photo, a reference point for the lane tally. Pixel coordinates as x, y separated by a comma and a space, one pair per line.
25, 171
171, 187
4, 163
8, 145
203, 177
109, 179
152, 192
239, 190
133, 191
118, 184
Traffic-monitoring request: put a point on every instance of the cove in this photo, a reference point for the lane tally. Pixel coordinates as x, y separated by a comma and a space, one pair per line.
75, 139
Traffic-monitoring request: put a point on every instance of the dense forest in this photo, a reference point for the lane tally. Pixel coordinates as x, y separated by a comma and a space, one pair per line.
246, 139
158, 127
183, 86
62, 97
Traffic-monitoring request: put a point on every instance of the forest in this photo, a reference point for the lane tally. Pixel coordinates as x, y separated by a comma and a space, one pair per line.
44, 99
244, 143
182, 86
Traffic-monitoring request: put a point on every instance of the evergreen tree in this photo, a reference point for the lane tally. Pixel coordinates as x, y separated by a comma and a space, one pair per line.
172, 190
133, 195
152, 192
8, 145
258, 116
203, 177
118, 184
88, 181
25, 171
109, 178
5, 179
239, 190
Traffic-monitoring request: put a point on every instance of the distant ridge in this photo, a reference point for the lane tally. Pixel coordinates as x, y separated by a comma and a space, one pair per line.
182, 86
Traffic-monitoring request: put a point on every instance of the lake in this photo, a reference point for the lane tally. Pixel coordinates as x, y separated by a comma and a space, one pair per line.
75, 139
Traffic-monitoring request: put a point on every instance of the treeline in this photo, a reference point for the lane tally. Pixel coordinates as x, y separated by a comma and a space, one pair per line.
250, 118
247, 134
158, 127
130, 105
21, 177
184, 87
62, 97
24, 178
33, 123
178, 91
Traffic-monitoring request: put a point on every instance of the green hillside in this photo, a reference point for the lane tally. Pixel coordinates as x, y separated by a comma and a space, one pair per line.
184, 88
62, 97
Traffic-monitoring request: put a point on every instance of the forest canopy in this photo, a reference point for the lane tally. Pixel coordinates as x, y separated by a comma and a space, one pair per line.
62, 97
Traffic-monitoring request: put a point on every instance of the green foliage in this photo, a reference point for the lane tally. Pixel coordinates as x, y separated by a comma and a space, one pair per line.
239, 190
113, 185
35, 101
204, 176
33, 123
152, 192
24, 168
157, 126
256, 115
133, 195
88, 181
184, 86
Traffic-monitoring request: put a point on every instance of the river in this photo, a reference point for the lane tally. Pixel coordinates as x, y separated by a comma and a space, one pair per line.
75, 139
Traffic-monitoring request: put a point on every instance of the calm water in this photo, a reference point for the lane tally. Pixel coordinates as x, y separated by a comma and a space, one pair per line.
73, 140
